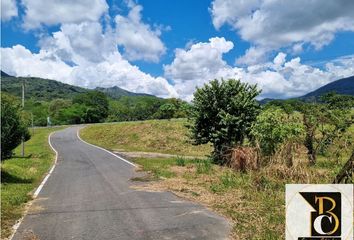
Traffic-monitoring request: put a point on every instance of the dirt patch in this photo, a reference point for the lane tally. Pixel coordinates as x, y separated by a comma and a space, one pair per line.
151, 155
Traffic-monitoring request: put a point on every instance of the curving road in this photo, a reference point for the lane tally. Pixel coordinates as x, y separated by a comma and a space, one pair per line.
89, 196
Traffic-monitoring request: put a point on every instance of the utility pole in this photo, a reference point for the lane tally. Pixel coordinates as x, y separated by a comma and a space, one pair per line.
32, 123
23, 107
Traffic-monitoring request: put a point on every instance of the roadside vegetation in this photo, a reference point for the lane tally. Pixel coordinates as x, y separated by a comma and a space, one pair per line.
254, 202
21, 175
13, 125
253, 151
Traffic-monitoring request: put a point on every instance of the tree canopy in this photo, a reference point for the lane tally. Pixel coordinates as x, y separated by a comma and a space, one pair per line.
222, 113
13, 128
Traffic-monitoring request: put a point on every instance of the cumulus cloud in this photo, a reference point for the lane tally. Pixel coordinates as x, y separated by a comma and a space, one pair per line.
139, 40
195, 66
253, 56
280, 77
8, 9
80, 43
279, 23
273, 24
83, 55
53, 12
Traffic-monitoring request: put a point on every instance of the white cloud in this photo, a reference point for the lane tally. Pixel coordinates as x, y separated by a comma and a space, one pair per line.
80, 43
70, 56
8, 9
53, 12
197, 65
19, 61
276, 23
139, 40
253, 56
273, 24
277, 78
83, 53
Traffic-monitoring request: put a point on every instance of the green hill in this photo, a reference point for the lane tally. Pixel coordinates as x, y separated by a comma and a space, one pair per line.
117, 92
46, 89
39, 88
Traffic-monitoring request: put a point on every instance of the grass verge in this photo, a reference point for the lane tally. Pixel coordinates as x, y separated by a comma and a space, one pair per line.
254, 202
20, 176
162, 136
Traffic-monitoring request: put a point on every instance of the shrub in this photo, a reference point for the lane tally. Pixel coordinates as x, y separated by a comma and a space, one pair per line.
13, 128
274, 128
222, 113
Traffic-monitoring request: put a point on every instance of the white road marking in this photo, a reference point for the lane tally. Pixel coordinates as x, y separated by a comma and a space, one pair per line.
18, 223
120, 158
51, 170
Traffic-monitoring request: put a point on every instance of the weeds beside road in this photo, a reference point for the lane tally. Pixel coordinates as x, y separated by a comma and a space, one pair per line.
253, 201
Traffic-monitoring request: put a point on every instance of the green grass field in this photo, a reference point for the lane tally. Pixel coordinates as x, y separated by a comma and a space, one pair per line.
20, 176
162, 136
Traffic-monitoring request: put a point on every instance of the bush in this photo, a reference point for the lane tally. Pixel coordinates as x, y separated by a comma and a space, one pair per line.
274, 128
222, 113
13, 128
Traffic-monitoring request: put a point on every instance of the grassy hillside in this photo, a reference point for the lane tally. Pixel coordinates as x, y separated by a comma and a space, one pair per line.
20, 176
162, 136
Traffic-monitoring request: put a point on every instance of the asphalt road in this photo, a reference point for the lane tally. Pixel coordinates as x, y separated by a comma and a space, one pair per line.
89, 196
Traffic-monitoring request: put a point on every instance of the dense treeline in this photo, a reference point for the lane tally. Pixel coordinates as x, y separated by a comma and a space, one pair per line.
95, 107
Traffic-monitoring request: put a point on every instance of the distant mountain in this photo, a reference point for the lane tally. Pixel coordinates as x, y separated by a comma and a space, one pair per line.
4, 74
117, 92
266, 100
344, 86
46, 89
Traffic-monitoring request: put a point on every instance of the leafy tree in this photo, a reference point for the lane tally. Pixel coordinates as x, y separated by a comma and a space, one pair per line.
222, 113
75, 114
274, 128
39, 109
166, 111
288, 105
13, 128
336, 101
129, 108
96, 105
55, 106
323, 124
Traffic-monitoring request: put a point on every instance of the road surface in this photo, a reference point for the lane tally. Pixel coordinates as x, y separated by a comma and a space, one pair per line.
89, 196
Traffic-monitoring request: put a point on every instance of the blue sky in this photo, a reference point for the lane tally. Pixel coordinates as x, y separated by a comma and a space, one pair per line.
168, 48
